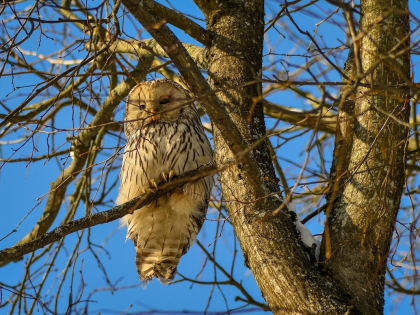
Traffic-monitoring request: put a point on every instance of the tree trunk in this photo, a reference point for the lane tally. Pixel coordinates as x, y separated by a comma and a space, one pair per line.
288, 281
360, 225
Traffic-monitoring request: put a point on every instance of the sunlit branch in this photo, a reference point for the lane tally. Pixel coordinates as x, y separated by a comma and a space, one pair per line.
137, 48
36, 158
324, 123
21, 107
81, 145
16, 252
180, 21
198, 86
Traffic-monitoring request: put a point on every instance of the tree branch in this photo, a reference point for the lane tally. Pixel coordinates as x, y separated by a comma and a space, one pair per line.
180, 21
205, 5
16, 252
137, 48
81, 146
326, 123
374, 154
198, 86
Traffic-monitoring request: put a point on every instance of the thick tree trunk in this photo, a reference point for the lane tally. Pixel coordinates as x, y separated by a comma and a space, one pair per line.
360, 226
289, 283
270, 243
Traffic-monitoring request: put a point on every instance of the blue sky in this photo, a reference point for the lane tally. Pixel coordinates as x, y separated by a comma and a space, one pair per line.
24, 187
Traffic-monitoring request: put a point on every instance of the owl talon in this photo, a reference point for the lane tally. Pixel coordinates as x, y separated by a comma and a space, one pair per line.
171, 174
153, 186
166, 177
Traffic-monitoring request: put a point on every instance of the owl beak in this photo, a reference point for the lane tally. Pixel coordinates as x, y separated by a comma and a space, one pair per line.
153, 115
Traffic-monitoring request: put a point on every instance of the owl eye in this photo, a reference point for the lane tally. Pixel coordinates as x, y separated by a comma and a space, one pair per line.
164, 101
142, 107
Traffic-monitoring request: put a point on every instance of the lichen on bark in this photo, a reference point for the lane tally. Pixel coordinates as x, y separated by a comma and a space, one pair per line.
362, 220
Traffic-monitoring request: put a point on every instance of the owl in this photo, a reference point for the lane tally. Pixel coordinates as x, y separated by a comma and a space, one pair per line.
165, 138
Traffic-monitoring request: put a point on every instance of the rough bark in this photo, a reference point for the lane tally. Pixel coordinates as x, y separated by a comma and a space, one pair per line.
288, 282
197, 85
360, 225
271, 247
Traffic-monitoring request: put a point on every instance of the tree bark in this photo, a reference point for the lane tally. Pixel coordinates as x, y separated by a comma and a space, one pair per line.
270, 244
360, 225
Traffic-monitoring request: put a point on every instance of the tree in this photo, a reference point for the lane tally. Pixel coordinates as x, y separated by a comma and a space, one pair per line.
69, 112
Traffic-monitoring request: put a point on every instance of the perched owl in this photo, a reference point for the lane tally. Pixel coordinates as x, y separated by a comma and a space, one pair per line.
165, 138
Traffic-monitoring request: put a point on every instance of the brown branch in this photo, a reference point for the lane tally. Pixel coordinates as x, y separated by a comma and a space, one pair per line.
51, 82
198, 86
180, 21
205, 5
61, 20
396, 286
232, 281
327, 123
36, 158
43, 105
16, 252
81, 146
138, 47
313, 214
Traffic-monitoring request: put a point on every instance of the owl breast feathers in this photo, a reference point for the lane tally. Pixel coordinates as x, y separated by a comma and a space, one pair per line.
165, 138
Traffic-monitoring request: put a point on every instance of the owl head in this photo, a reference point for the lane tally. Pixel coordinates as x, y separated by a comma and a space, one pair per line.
156, 102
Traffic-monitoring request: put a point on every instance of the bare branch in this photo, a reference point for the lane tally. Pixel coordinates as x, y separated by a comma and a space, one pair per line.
16, 252
324, 123
198, 85
180, 21
81, 147
138, 48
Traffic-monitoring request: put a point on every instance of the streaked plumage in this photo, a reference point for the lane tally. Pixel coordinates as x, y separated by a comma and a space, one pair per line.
164, 138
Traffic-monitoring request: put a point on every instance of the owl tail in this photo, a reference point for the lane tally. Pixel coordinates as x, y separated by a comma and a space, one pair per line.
158, 255
152, 264
161, 235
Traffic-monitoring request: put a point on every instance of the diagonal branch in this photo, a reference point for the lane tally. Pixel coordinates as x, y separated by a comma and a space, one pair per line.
16, 252
180, 21
205, 5
51, 82
81, 145
198, 86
